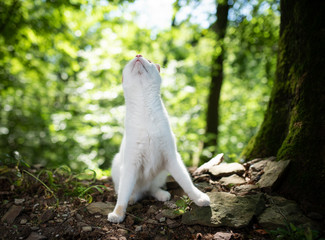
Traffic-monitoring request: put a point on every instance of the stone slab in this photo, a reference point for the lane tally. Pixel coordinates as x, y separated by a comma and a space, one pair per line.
226, 210
227, 169
272, 173
100, 207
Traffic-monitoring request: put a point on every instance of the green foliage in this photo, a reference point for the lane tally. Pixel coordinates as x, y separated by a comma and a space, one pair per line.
291, 232
183, 205
60, 79
56, 183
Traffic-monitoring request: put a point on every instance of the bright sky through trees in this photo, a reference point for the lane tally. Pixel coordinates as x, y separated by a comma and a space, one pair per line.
157, 14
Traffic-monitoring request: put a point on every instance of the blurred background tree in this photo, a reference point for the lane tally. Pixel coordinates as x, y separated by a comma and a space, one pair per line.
61, 98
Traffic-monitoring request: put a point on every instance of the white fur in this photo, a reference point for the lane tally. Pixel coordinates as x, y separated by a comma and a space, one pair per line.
148, 150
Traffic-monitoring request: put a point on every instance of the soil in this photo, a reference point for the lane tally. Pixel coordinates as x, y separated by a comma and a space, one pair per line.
40, 217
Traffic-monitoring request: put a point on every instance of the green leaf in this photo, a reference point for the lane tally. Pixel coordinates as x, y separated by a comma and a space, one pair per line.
293, 227
181, 203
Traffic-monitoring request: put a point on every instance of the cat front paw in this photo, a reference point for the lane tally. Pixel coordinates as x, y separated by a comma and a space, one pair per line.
115, 218
162, 195
117, 215
202, 200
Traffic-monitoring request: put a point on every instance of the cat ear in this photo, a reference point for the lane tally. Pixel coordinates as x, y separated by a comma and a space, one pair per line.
158, 67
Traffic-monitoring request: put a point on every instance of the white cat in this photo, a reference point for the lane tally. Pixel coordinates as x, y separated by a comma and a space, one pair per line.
148, 150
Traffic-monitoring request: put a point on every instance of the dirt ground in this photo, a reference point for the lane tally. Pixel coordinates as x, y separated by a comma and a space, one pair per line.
30, 211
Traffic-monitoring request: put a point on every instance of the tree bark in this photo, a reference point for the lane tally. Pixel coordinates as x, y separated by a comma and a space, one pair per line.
294, 123
212, 119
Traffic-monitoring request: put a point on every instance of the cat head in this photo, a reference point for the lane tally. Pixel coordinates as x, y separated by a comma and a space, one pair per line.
141, 73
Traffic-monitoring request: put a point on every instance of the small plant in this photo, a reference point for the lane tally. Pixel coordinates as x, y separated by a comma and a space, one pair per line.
87, 196
183, 205
47, 187
56, 183
291, 232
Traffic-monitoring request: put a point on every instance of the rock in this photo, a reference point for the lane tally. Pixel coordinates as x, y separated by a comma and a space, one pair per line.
23, 221
172, 224
152, 209
227, 169
47, 215
122, 231
160, 217
204, 168
11, 214
81, 224
281, 212
100, 207
170, 204
245, 189
208, 189
226, 210
272, 173
87, 228
232, 180
19, 201
152, 221
202, 178
249, 163
79, 217
35, 236
138, 228
256, 169
222, 236
202, 185
59, 220
169, 213
259, 166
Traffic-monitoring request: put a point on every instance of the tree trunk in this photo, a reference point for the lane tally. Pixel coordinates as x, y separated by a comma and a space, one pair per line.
212, 119
294, 123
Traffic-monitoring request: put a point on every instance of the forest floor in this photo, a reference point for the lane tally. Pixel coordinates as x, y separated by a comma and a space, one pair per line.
41, 204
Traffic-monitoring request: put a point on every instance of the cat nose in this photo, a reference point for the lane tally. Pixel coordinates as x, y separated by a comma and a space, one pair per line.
138, 55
